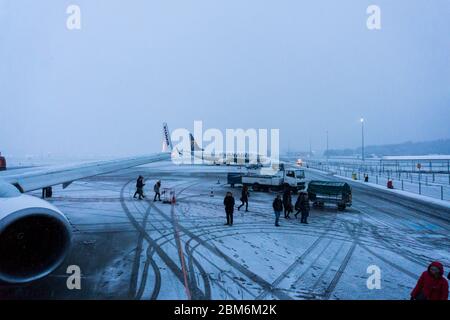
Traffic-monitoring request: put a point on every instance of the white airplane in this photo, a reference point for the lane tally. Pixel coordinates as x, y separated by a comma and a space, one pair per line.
35, 236
230, 158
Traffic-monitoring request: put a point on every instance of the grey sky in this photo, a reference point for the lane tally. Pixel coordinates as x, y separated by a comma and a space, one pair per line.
302, 66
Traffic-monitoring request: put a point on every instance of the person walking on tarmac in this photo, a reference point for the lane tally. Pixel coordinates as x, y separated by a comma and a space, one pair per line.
139, 188
244, 198
287, 202
157, 188
432, 284
228, 202
277, 209
302, 206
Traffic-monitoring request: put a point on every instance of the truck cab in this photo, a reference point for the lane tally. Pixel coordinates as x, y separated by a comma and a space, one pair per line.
295, 179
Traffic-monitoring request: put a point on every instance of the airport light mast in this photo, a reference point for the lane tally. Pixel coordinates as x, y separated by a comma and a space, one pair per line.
310, 148
362, 139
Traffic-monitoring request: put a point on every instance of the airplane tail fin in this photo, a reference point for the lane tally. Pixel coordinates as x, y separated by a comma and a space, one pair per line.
167, 143
194, 145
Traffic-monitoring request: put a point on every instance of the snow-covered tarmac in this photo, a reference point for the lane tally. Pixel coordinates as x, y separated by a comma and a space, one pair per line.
131, 249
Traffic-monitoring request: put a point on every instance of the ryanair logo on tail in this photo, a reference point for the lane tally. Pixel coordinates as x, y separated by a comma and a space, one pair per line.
167, 140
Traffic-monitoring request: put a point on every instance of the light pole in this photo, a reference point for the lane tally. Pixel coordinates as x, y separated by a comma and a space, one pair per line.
327, 147
310, 148
362, 138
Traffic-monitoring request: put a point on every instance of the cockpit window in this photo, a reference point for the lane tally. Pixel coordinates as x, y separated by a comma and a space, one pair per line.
300, 174
290, 174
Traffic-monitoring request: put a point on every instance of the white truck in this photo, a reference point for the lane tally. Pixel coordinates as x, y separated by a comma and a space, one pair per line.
258, 181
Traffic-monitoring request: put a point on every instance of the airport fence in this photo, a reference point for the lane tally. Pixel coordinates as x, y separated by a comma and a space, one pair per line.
432, 184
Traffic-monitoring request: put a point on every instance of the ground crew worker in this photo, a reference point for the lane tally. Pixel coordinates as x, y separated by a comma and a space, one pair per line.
228, 202
277, 209
431, 285
244, 198
287, 202
302, 206
157, 188
140, 188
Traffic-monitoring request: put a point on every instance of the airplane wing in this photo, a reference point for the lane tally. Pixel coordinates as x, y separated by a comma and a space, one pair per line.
38, 179
33, 227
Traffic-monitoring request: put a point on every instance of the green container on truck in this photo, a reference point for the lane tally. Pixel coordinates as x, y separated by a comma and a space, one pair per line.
335, 192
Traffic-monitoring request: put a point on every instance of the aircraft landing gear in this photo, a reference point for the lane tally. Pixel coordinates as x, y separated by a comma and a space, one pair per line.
47, 192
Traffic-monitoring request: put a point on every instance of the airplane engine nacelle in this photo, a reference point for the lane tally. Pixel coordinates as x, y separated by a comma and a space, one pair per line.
34, 236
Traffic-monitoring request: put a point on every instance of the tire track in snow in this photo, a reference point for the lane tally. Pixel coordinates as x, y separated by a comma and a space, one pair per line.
213, 249
161, 253
273, 287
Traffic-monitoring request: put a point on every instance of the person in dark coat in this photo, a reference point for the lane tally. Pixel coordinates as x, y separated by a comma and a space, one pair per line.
287, 203
244, 198
157, 188
302, 206
139, 188
228, 202
277, 209
297, 205
390, 184
432, 284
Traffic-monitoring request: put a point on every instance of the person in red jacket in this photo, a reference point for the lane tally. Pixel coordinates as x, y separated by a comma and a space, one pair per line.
432, 284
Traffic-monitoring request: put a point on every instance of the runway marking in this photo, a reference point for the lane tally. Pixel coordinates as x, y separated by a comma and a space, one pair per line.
180, 252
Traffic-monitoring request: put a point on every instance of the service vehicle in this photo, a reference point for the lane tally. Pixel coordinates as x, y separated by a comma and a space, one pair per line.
321, 192
261, 180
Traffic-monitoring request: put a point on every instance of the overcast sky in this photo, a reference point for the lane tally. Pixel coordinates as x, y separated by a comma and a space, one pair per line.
301, 66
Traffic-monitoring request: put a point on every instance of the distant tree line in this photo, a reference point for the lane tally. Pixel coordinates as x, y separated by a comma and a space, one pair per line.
401, 149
